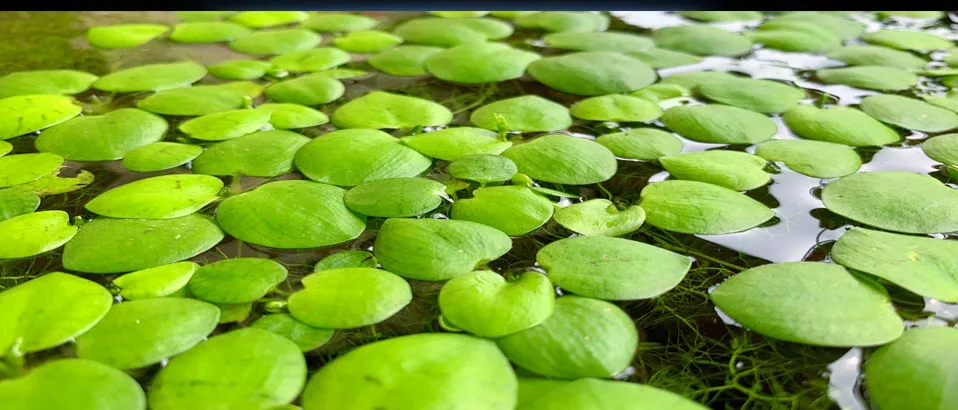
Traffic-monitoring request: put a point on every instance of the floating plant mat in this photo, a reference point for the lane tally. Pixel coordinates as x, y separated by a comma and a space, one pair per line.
485, 210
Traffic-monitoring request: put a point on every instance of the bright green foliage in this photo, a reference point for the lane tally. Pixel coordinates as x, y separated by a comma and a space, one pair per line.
563, 159
615, 107
646, 144
870, 77
198, 100
34, 233
107, 245
422, 371
596, 394
241, 369
208, 32
351, 157
139, 333
764, 96
488, 305
592, 73
564, 21
890, 200
722, 16
583, 338
515, 210
812, 303
914, 372
912, 40
285, 116
527, 113
276, 41
239, 69
367, 41
346, 259
735, 170
45, 82
339, 22
22, 168
599, 41
453, 143
483, 168
17, 201
909, 113
76, 384
434, 249
840, 125
161, 197
103, 138
262, 19
380, 109
165, 280
313, 89
700, 208
160, 156
796, 36
600, 217
720, 124
702, 40
305, 336
50, 310
151, 77
290, 215
841, 26
349, 298
124, 35
24, 114
475, 63
403, 61
877, 56
395, 197
817, 159
443, 32
663, 58
237, 280
260, 154
942, 148
312, 60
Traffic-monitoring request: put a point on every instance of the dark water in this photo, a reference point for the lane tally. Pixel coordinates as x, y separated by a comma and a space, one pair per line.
687, 346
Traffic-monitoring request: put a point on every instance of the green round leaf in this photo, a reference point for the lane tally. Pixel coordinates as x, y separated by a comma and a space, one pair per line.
367, 41
349, 298
661, 92
160, 156
208, 32
719, 124
877, 56
599, 41
527, 113
346, 259
262, 19
34, 233
583, 338
619, 108
395, 197
564, 21
16, 202
290, 215
812, 303
702, 40
380, 109
450, 144
816, 159
870, 77
151, 77
692, 79
475, 63
46, 82
515, 210
107, 245
315, 59
600, 217
592, 73
140, 333
942, 148
24, 114
612, 268
483, 168
158, 282
422, 371
443, 32
22, 168
735, 170
305, 336
351, 157
595, 394
225, 125
908, 40
922, 265
795, 36
239, 69
841, 26
313, 89
237, 280
105, 137
662, 58
701, 209
161, 197
285, 116
75, 384
124, 35
646, 144
563, 159
891, 199
50, 310
276, 41
488, 305
909, 113
915, 371
260, 154
242, 369
764, 96
840, 125
435, 249
198, 100
339, 22
406, 61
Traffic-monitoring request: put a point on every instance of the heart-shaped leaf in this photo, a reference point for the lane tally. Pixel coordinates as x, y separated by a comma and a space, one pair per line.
260, 154
700, 208
339, 22
596, 394
942, 148
151, 77
22, 168
563, 159
403, 61
914, 372
702, 40
314, 89
877, 56
346, 259
103, 138
662, 58
616, 41
764, 96
513, 209
564, 21
450, 144
816, 159
436, 31
380, 109
488, 305
841, 125
237, 280
618, 108
198, 100
161, 281
239, 69
75, 384
600, 217
162, 197
45, 82
592, 73
208, 32
870, 77
292, 116
735, 170
646, 144
475, 63
312, 60
527, 113
483, 168
160, 156
124, 35
349, 298
909, 113
34, 233
351, 157
367, 41
719, 124
16, 202
395, 197
276, 41
305, 336
24, 114
272, 18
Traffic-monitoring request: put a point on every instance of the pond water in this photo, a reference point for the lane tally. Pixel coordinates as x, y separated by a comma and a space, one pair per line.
687, 345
